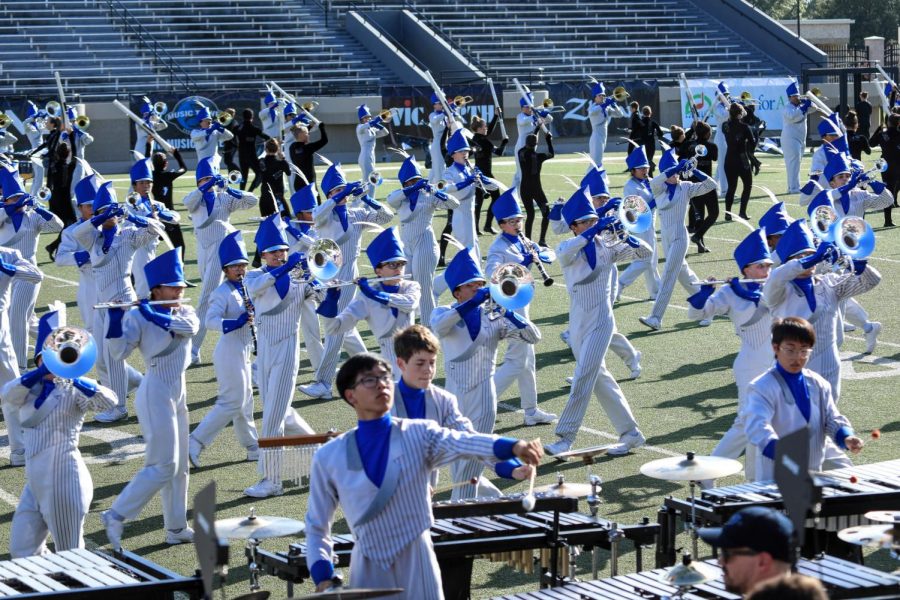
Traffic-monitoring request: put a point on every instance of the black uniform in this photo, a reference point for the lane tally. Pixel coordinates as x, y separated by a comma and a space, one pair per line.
704, 209
531, 190
303, 157
889, 141
863, 110
650, 132
858, 143
60, 182
636, 132
163, 184
484, 153
272, 196
229, 147
739, 161
246, 144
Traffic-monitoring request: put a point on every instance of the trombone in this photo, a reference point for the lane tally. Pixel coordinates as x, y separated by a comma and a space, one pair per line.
815, 96
461, 101
727, 281
550, 107
747, 99
224, 118
111, 305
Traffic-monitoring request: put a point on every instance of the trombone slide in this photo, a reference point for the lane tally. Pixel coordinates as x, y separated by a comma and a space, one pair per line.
108, 305
150, 131
726, 281
490, 83
62, 101
690, 96
451, 122
337, 284
820, 106
524, 94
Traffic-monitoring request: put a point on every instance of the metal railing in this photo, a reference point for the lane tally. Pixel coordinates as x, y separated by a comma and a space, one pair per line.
161, 57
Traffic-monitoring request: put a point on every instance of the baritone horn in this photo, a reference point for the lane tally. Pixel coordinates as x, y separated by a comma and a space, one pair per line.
747, 99
635, 214
324, 259
44, 194
235, 177
82, 122
53, 108
511, 286
386, 114
620, 94
5, 121
461, 101
160, 108
822, 221
224, 118
310, 106
854, 237
69, 352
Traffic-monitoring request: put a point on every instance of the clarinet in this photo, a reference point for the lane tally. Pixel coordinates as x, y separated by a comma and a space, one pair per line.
529, 245
251, 312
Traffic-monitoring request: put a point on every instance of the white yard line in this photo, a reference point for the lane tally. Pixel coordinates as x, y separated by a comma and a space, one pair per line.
61, 280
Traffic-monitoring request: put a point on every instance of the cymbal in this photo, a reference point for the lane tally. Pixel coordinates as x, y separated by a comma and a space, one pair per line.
884, 516
585, 454
874, 536
691, 468
351, 594
690, 573
569, 490
259, 528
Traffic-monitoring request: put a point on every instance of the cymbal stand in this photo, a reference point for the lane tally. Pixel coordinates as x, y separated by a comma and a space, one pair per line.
255, 569
593, 502
692, 526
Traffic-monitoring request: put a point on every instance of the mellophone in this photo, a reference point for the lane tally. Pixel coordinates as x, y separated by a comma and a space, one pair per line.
92, 574
499, 529
841, 578
847, 494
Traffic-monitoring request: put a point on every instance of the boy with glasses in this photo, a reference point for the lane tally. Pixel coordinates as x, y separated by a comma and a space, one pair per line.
788, 397
384, 465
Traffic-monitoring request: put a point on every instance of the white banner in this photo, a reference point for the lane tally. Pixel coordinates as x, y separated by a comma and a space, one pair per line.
768, 92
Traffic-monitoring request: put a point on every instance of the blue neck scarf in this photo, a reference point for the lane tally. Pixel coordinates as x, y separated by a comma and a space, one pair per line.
671, 187
590, 253
808, 288
108, 236
304, 227
341, 211
209, 199
472, 320
282, 284
373, 438
413, 400
748, 291
514, 240
272, 113
46, 390
391, 289
799, 390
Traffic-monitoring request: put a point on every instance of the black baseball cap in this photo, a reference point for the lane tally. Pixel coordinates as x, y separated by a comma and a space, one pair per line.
760, 529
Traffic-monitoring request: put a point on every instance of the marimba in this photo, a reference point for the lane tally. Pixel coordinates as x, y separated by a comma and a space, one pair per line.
843, 579
847, 494
92, 574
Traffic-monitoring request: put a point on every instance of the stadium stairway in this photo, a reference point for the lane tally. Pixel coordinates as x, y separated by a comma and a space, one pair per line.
607, 39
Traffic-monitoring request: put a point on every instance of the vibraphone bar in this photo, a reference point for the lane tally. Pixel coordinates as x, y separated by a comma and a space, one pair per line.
92, 574
842, 579
847, 494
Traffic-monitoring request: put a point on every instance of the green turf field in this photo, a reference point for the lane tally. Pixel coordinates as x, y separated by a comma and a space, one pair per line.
684, 400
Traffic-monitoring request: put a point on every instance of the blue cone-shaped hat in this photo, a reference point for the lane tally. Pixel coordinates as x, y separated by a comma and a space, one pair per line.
529, 102
269, 98
86, 189
106, 195
165, 269
578, 207
146, 106
49, 321
11, 183
507, 205
463, 269
723, 88
797, 238
232, 250
837, 164
637, 159
597, 89
793, 89
828, 127
362, 111
457, 142
668, 159
385, 247
595, 182
408, 170
775, 220
753, 249
31, 109
304, 199
142, 170
333, 178
203, 114
270, 235
205, 168
289, 109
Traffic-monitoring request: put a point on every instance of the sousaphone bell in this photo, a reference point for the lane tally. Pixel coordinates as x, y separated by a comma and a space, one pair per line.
69, 352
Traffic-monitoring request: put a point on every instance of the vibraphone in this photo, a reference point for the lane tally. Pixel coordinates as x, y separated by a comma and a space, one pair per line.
847, 494
842, 579
92, 574
498, 528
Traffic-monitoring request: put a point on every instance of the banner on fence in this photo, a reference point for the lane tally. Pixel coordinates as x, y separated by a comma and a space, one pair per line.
573, 99
767, 91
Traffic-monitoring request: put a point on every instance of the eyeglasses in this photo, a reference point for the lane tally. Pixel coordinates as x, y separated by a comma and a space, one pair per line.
394, 264
801, 353
372, 381
729, 553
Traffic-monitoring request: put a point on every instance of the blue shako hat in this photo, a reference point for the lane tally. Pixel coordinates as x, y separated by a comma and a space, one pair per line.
385, 247
49, 321
269, 99
142, 170
205, 168
333, 178
637, 159
165, 269
11, 183
723, 88
753, 249
203, 114
463, 269
106, 195
837, 164
408, 170
598, 89
362, 111
595, 182
797, 238
828, 127
578, 207
86, 189
270, 235
232, 250
668, 159
457, 142
529, 102
793, 89
775, 220
507, 205
304, 199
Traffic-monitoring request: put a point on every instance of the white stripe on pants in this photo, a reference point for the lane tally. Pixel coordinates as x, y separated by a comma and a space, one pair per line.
21, 308
211, 278
351, 341
676, 269
415, 570
422, 263
519, 366
235, 400
312, 335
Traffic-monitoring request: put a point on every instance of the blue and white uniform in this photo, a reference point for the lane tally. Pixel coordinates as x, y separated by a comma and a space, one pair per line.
367, 135
600, 115
793, 137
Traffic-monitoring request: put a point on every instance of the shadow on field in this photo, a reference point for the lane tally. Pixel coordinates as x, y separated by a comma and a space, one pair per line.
687, 369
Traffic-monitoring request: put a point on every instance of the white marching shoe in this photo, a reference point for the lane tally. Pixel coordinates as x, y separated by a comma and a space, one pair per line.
317, 389
627, 442
117, 413
194, 450
264, 489
184, 536
114, 529
872, 336
538, 417
651, 322
635, 365
558, 447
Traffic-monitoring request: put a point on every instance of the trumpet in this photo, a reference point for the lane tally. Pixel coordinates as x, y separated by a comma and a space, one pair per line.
699, 152
53, 108
747, 99
110, 305
880, 165
224, 118
5, 121
375, 178
461, 101
83, 122
69, 352
235, 177
620, 94
160, 108
44, 194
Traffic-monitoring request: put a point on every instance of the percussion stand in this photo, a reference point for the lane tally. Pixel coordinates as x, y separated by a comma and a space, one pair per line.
552, 579
253, 557
692, 526
594, 501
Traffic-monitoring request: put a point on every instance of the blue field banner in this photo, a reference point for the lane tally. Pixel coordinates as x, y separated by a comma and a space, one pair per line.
412, 106
571, 101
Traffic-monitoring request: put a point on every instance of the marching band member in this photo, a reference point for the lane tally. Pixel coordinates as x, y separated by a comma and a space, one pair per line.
80, 140
58, 488
230, 313
438, 122
462, 180
738, 160
207, 137
857, 142
247, 135
531, 161
388, 306
830, 133
793, 134
752, 324
343, 224
385, 466
303, 203
720, 112
141, 182
789, 396
774, 223
112, 249
290, 114
672, 202
485, 151
416, 203
367, 132
586, 263
888, 139
526, 122
273, 169
794, 290
639, 185
229, 147
163, 335
278, 296
707, 203
151, 120
602, 110
163, 186
471, 335
34, 129
210, 212
301, 152
519, 361
72, 254
271, 117
59, 181
12, 267
22, 221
